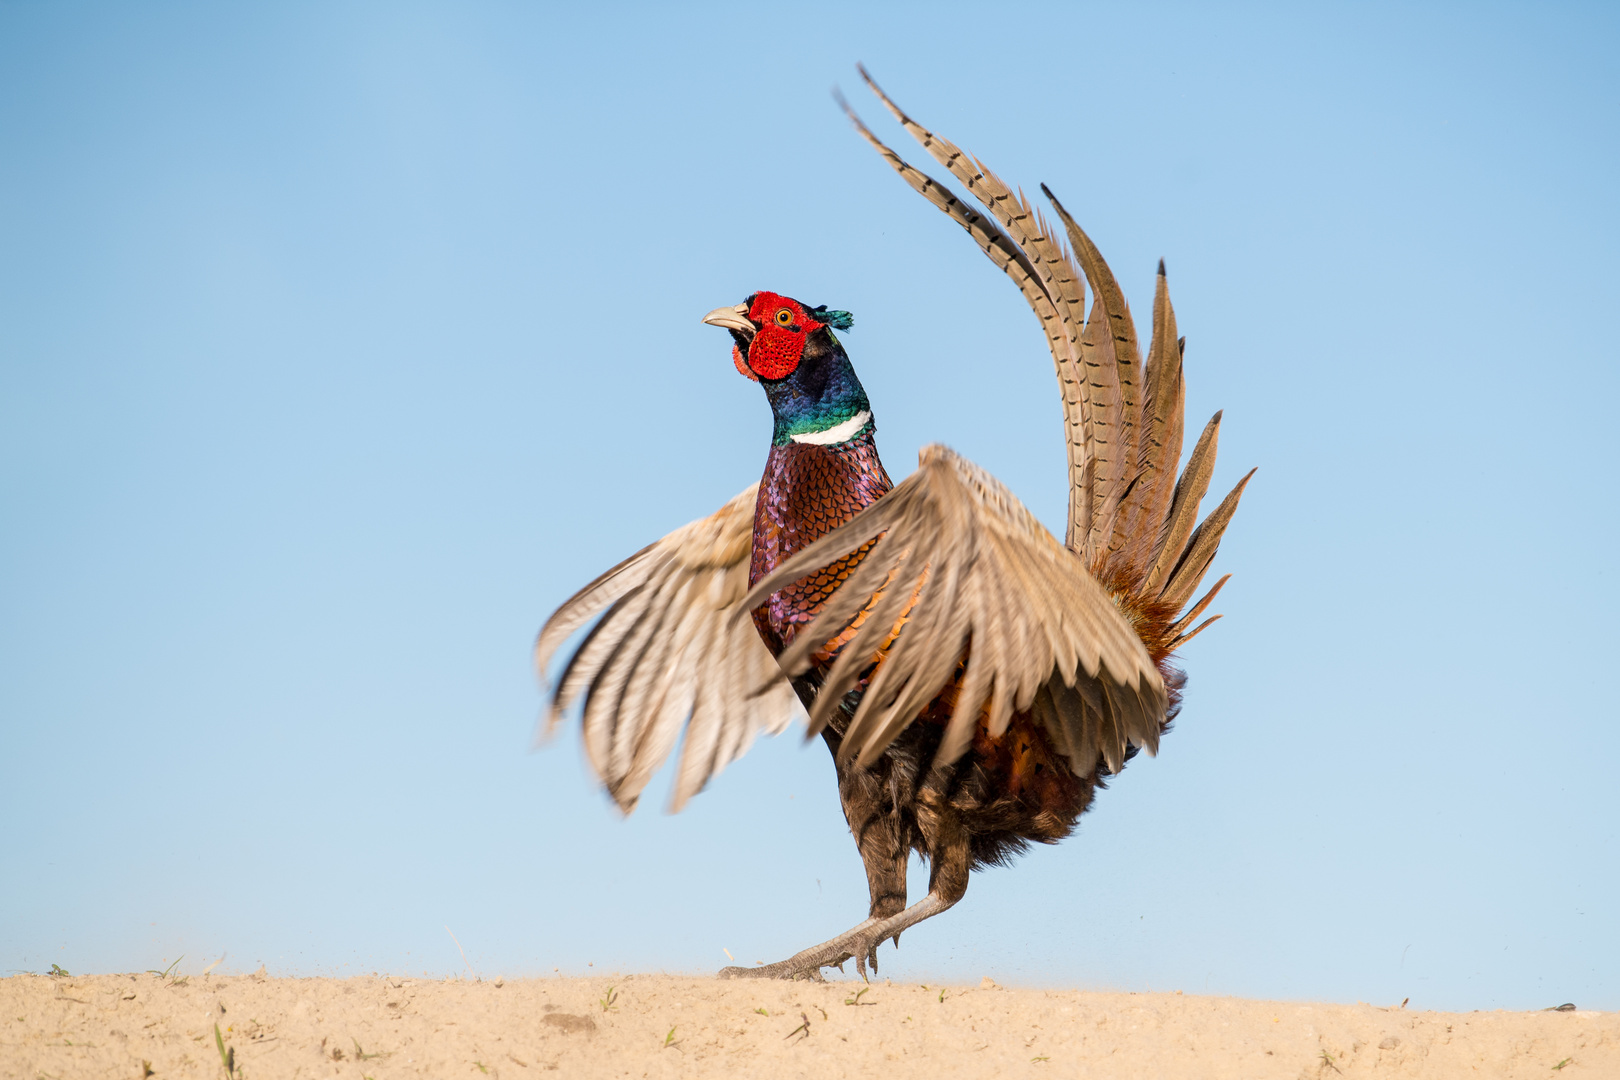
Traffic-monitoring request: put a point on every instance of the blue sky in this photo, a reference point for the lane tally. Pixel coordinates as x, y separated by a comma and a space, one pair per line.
341, 342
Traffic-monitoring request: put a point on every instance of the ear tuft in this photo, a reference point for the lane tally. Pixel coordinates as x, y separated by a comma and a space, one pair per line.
838, 320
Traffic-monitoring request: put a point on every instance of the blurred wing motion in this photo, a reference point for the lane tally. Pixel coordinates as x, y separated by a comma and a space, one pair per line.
668, 653
963, 574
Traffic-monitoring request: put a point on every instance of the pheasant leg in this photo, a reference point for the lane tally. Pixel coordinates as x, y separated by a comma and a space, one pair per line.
883, 834
946, 885
859, 943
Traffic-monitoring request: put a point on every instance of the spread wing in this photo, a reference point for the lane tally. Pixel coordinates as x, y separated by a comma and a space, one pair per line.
668, 654
962, 574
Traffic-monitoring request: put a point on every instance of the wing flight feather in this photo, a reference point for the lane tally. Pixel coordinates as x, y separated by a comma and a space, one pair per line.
969, 579
665, 656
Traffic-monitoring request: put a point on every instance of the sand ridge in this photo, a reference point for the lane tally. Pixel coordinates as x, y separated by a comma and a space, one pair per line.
132, 1026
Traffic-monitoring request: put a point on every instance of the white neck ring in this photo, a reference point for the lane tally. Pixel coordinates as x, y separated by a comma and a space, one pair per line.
836, 434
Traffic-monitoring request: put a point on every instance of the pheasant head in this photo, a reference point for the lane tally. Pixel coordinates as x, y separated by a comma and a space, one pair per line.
789, 349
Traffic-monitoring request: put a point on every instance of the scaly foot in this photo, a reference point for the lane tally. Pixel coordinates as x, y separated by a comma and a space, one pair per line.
858, 944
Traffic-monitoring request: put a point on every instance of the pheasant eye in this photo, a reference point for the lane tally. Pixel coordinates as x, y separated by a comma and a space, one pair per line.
784, 317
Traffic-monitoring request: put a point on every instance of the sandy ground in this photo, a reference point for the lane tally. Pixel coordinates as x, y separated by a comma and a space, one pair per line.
133, 1026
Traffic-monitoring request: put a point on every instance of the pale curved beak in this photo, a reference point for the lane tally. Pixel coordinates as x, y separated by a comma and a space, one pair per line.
732, 318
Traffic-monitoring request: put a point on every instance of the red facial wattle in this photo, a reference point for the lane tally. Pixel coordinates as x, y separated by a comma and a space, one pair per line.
778, 345
774, 353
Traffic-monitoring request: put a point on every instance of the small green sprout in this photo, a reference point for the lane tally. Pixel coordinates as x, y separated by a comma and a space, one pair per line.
227, 1057
168, 971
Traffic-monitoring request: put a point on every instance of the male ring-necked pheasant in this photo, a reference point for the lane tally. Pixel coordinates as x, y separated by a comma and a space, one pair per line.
975, 680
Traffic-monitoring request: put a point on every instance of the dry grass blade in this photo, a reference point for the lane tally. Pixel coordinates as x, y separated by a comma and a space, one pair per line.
227, 1056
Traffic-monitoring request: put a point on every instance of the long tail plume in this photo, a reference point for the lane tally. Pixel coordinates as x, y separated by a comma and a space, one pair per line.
1131, 519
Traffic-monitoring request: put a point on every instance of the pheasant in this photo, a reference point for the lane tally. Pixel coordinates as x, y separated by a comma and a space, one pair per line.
976, 681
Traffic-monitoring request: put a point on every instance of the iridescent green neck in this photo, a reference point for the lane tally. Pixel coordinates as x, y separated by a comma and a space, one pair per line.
820, 394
